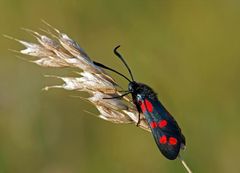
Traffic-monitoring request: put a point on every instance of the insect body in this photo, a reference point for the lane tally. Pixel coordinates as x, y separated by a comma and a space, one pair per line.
165, 130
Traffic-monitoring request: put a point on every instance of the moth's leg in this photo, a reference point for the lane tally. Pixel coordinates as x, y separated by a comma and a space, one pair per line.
115, 97
139, 115
139, 119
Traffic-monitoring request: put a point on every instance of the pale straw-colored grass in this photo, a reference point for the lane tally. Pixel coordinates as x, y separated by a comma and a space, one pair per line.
55, 49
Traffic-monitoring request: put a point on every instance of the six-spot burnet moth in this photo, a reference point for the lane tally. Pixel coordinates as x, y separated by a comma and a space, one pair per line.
165, 129
166, 132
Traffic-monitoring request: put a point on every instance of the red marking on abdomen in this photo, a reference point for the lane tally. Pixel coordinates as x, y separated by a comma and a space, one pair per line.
153, 124
142, 105
162, 123
172, 141
149, 105
163, 139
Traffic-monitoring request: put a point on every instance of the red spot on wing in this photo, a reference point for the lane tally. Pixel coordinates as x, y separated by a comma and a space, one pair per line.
153, 124
172, 141
149, 105
163, 139
162, 123
142, 105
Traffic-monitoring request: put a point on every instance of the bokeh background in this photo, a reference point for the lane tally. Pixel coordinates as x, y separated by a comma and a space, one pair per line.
187, 51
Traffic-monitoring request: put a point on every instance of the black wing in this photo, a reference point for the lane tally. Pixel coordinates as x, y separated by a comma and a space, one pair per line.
165, 129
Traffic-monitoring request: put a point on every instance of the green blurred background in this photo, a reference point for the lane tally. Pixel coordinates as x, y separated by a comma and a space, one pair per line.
187, 51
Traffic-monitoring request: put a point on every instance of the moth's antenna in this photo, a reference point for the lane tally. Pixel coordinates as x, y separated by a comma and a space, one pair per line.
122, 59
108, 68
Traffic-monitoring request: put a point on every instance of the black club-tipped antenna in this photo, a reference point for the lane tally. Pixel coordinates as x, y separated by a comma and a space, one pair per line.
108, 68
122, 59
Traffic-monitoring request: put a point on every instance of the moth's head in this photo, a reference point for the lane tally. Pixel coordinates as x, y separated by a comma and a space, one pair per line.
141, 89
136, 88
133, 87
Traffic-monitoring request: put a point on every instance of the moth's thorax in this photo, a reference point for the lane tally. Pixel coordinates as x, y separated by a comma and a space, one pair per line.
141, 91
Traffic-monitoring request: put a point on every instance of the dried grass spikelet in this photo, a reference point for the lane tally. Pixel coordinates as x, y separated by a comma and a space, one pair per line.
56, 49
